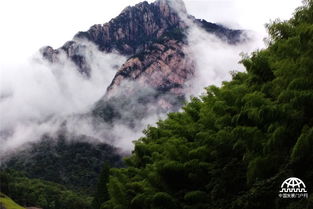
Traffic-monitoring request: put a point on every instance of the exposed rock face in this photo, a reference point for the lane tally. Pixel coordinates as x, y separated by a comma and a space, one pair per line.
163, 66
148, 83
152, 81
134, 30
153, 37
130, 33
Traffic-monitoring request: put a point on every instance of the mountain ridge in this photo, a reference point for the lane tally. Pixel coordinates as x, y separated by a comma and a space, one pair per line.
134, 30
151, 82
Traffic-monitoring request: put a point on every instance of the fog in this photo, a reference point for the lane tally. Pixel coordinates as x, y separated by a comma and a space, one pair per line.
37, 97
215, 59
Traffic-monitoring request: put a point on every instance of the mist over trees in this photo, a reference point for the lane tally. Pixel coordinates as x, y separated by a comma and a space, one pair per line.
234, 146
230, 148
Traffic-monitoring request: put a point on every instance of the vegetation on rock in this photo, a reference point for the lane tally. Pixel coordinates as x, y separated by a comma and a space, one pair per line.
233, 147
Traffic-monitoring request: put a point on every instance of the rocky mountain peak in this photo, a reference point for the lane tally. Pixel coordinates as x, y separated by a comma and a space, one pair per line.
176, 5
153, 37
134, 28
133, 31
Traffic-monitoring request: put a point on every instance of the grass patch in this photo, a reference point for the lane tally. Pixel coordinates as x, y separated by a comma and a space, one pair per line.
8, 203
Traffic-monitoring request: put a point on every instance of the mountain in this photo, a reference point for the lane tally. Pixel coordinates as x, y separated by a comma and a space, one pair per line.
134, 30
155, 77
74, 163
152, 81
153, 37
244, 145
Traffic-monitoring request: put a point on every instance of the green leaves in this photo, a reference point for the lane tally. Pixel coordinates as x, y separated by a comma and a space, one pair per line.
102, 194
304, 146
41, 193
232, 147
162, 200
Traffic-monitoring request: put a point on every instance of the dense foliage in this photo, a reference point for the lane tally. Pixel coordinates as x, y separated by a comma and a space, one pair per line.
102, 194
234, 146
75, 164
44, 194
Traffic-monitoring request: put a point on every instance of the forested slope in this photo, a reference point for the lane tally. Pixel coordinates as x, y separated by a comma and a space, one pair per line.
44, 194
234, 146
74, 164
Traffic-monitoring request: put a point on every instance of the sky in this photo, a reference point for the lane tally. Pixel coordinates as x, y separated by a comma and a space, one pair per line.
36, 97
28, 25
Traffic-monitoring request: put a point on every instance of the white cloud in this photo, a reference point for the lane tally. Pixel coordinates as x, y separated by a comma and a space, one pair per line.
28, 25
35, 97
214, 59
246, 14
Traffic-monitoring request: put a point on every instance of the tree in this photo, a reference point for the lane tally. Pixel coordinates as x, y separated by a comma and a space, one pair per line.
234, 146
102, 194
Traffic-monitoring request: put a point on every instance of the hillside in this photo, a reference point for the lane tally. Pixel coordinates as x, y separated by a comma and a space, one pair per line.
74, 164
7, 203
41, 194
152, 82
233, 147
153, 38
134, 30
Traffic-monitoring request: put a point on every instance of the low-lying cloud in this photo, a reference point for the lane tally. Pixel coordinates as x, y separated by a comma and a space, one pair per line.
215, 59
36, 96
39, 98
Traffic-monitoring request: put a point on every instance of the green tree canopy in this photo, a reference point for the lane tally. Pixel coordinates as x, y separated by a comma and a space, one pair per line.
233, 147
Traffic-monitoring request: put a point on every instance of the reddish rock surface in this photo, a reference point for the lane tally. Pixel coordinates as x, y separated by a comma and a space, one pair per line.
152, 36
